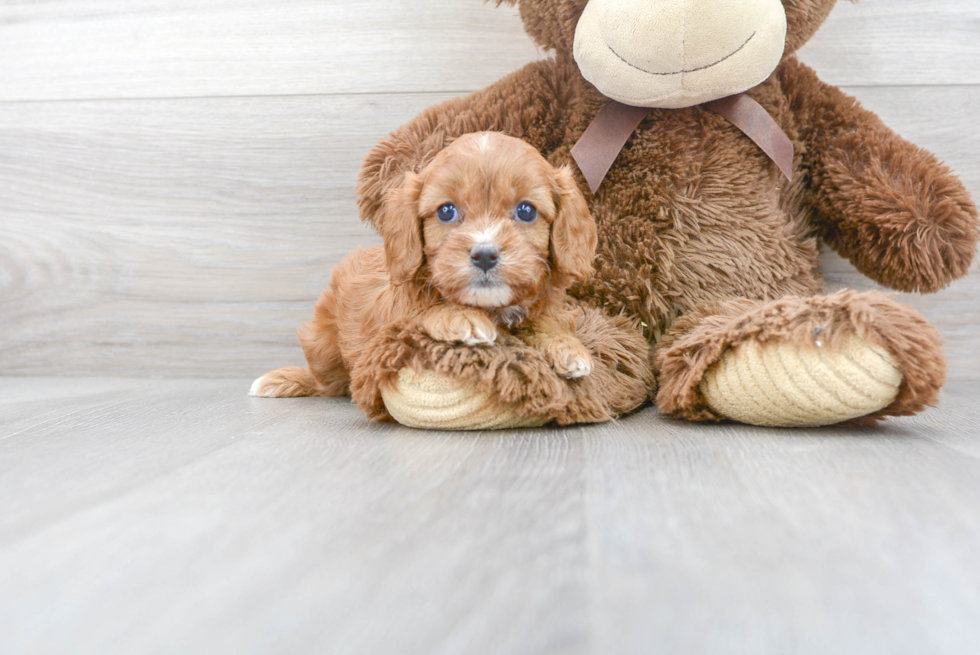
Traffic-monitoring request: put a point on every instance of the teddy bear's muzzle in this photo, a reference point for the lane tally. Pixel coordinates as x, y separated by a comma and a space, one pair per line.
680, 53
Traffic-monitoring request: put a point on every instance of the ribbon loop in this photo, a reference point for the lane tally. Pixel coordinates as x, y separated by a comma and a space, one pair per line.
605, 137
755, 122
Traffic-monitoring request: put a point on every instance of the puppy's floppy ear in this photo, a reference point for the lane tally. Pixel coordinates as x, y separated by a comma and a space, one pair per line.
573, 232
402, 230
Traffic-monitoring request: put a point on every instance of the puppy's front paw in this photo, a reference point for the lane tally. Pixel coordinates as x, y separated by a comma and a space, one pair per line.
466, 327
569, 358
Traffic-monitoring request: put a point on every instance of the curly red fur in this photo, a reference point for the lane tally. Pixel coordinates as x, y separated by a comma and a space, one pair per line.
425, 281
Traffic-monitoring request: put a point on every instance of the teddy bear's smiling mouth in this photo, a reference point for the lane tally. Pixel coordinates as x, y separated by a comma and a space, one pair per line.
692, 70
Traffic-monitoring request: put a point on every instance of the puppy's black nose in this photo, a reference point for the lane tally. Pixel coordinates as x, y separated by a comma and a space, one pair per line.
484, 256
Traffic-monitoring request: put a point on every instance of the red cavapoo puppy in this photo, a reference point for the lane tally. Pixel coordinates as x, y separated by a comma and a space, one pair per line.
487, 237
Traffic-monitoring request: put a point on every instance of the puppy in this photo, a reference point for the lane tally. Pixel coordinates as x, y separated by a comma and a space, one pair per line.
487, 237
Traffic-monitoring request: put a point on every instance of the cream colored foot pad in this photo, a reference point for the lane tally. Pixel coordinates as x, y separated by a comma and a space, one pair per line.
431, 401
790, 385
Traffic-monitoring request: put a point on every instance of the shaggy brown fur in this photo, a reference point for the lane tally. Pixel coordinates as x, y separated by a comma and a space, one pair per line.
693, 215
487, 237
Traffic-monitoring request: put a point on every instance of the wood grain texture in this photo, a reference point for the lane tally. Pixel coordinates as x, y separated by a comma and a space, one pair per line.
58, 50
153, 234
898, 42
169, 48
165, 516
191, 237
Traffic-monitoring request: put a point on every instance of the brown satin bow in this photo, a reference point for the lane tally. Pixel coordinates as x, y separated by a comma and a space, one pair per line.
602, 142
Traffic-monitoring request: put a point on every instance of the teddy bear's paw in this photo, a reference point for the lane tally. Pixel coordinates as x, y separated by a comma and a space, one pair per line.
784, 384
569, 357
437, 402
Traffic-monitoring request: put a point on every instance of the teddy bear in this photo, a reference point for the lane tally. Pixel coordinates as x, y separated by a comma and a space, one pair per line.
717, 163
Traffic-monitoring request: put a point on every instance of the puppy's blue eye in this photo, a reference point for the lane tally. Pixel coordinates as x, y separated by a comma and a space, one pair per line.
526, 213
447, 213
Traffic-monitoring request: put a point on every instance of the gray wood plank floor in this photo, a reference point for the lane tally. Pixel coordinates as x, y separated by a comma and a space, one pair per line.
156, 516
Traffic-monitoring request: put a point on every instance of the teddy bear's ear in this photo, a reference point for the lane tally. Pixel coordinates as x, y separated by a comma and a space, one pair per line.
401, 228
573, 232
803, 19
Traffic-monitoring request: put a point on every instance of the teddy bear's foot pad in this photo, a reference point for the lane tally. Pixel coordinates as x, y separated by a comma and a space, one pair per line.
782, 384
435, 402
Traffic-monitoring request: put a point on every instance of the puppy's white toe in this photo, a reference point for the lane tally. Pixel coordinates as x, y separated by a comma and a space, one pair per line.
578, 367
256, 388
480, 336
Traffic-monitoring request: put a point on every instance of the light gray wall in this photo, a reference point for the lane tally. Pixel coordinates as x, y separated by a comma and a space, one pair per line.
176, 178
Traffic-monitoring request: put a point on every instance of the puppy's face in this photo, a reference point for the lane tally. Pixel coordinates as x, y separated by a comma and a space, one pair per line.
495, 223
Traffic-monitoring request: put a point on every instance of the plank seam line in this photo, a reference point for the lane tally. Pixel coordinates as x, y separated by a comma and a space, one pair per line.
355, 94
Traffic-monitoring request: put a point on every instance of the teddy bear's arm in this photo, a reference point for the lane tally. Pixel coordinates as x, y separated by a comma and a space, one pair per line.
526, 104
893, 209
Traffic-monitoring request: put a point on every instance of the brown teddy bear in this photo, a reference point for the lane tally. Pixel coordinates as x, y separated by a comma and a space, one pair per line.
728, 160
